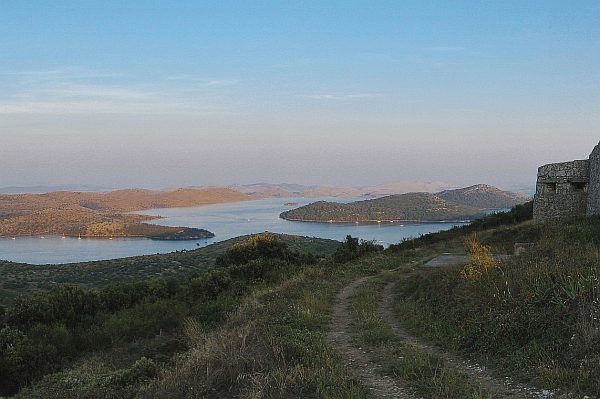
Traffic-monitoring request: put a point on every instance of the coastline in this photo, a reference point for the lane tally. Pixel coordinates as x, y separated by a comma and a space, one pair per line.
72, 218
369, 222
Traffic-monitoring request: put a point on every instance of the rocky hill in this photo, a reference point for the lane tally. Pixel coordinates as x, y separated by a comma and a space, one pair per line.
483, 196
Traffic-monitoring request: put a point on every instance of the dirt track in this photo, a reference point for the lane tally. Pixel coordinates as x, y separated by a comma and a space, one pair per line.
369, 369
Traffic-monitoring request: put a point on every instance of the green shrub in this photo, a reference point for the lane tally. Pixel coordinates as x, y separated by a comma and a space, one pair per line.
28, 310
210, 284
144, 320
56, 335
353, 248
262, 246
22, 359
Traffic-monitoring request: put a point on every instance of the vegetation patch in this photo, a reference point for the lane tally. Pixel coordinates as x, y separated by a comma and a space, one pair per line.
535, 314
45, 332
425, 373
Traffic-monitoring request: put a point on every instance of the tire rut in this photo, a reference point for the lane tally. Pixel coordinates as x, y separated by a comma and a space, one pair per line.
498, 387
362, 363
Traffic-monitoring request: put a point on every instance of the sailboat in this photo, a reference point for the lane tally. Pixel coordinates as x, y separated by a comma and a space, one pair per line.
79, 238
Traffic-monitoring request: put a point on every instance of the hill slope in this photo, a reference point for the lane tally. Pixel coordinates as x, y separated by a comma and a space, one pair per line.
483, 196
99, 214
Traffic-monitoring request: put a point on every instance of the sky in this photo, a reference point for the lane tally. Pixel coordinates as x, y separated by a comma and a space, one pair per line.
188, 93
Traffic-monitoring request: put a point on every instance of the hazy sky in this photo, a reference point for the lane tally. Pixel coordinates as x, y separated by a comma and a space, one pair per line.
174, 93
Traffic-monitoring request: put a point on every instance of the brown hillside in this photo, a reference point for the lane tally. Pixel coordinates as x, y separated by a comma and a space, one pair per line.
99, 214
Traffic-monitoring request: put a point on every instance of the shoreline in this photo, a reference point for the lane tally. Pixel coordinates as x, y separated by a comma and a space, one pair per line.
369, 222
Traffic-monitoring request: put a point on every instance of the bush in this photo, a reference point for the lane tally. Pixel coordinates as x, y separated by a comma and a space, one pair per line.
28, 310
482, 260
22, 359
124, 295
262, 246
352, 248
144, 320
209, 285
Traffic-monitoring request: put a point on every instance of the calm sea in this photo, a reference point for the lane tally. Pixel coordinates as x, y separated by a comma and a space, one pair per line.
225, 220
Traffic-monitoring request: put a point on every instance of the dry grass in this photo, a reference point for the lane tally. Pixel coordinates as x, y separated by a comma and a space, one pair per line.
272, 346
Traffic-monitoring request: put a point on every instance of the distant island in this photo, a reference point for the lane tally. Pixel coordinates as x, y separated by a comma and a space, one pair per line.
183, 234
448, 205
285, 190
105, 215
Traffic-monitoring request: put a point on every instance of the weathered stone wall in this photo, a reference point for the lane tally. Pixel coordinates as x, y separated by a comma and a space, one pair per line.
562, 190
593, 205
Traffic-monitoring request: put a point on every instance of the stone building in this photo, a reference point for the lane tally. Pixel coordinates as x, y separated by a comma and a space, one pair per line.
568, 189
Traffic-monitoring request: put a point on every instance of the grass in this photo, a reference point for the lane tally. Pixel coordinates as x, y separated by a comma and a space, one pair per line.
272, 346
536, 315
425, 373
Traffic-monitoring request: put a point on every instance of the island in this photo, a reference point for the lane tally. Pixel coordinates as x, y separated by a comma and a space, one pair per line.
446, 206
183, 234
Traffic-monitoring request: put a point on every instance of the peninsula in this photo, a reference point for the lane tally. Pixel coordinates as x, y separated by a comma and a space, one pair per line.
103, 215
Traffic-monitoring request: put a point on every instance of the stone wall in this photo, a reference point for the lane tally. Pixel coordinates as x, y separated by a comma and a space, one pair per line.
562, 190
593, 205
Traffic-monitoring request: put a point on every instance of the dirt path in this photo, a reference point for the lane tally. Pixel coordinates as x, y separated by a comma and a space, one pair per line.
499, 387
362, 363
368, 368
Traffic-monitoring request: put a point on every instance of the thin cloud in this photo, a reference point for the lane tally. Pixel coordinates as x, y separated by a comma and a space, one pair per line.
64, 92
67, 74
104, 107
221, 82
37, 73
341, 96
447, 49
93, 91
202, 81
